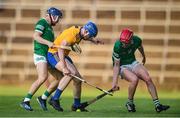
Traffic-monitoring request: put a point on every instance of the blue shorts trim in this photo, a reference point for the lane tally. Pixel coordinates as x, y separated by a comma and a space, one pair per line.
53, 59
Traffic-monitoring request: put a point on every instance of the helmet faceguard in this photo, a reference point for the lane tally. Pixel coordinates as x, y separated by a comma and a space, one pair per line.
126, 36
55, 19
91, 28
55, 14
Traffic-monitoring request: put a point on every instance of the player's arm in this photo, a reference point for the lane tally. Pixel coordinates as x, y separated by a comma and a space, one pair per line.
116, 67
141, 50
61, 54
95, 41
116, 70
38, 38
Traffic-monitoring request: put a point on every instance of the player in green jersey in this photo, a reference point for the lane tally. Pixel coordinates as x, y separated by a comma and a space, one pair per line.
125, 64
43, 39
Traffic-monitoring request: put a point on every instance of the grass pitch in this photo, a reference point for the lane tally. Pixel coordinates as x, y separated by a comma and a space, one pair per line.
10, 97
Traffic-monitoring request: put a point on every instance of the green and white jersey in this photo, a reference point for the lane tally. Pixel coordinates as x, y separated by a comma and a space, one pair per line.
46, 29
126, 55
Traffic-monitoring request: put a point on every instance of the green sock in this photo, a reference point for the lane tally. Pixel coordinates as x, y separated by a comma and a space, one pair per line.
45, 95
156, 102
28, 97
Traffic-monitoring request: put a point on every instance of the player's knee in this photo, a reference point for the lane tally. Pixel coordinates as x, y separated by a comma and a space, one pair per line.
42, 79
77, 82
148, 80
56, 82
40, 82
75, 73
135, 81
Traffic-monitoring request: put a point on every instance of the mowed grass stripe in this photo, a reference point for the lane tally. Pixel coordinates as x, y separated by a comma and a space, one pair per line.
106, 107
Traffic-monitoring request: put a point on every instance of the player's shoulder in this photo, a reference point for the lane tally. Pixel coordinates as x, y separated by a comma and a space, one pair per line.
136, 38
77, 27
74, 27
41, 21
117, 44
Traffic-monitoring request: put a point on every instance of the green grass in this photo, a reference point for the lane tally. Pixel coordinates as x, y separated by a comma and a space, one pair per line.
10, 97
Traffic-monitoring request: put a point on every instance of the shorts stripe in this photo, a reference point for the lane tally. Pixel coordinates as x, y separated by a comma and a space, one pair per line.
56, 57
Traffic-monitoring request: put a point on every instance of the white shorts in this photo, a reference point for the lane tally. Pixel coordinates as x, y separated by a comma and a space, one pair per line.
130, 67
39, 58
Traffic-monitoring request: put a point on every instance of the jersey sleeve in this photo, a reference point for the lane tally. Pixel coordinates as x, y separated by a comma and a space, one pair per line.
40, 26
116, 51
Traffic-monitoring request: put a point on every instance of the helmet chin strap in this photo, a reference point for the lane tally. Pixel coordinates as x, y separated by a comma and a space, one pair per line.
80, 34
85, 35
51, 19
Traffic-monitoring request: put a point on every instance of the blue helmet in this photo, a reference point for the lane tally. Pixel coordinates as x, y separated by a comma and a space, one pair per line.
54, 11
91, 28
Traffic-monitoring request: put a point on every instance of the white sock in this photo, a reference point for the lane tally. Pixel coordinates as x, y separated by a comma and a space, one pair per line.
44, 97
26, 99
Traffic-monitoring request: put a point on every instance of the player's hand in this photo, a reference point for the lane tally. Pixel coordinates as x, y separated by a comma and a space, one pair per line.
115, 88
51, 45
99, 42
76, 48
66, 71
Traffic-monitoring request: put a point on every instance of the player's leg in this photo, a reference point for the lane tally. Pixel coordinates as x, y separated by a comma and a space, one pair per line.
76, 86
51, 88
42, 76
53, 84
142, 73
55, 77
133, 80
55, 63
48, 81
54, 101
77, 95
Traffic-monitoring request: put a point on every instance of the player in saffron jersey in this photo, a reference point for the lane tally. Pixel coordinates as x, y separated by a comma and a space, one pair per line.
58, 58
